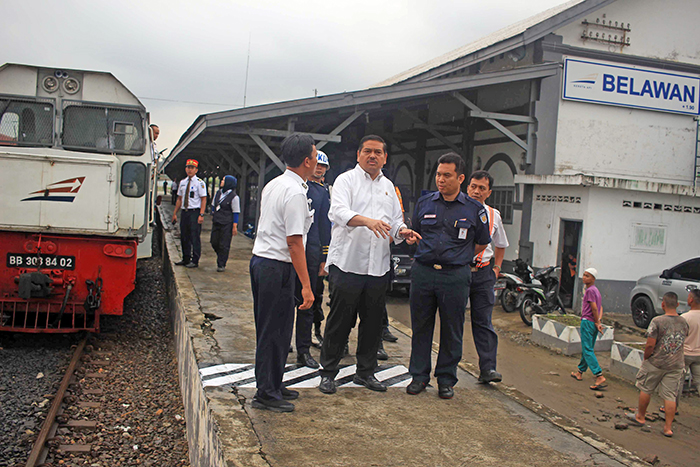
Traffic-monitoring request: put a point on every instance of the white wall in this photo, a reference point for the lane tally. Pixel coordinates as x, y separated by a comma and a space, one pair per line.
625, 143
607, 229
666, 29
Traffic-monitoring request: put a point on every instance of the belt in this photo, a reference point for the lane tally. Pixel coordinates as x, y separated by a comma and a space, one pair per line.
442, 267
192, 209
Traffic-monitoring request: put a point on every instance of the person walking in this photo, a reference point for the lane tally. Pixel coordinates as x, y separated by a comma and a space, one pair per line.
453, 228
225, 208
192, 197
278, 253
663, 363
487, 267
365, 213
317, 241
591, 314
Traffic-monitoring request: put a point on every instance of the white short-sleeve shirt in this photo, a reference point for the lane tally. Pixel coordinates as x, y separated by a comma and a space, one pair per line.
498, 235
284, 212
198, 190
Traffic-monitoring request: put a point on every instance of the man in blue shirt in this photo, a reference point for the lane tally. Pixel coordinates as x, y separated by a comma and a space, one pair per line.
317, 241
454, 227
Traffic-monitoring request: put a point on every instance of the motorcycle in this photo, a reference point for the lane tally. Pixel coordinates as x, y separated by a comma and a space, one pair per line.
542, 298
510, 285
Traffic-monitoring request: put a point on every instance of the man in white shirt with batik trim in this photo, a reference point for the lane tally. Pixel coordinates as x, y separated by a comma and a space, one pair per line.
366, 215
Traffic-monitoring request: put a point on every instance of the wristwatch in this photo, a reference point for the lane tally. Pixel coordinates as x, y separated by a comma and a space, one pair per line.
201, 215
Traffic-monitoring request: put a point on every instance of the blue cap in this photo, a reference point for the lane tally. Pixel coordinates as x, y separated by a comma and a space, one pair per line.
323, 159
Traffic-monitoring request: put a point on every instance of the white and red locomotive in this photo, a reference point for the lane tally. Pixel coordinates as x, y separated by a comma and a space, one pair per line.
76, 197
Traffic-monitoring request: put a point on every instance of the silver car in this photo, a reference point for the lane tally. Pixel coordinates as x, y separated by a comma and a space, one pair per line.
646, 296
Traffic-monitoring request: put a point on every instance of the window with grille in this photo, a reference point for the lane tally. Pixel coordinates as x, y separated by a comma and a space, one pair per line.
25, 122
103, 129
502, 199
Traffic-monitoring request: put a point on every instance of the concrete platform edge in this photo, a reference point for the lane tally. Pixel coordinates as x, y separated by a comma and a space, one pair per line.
206, 447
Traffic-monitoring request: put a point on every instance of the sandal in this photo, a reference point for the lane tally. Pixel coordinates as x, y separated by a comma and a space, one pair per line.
577, 375
663, 410
668, 435
632, 419
597, 387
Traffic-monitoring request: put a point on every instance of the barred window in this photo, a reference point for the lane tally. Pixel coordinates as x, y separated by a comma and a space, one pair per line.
103, 129
25, 122
502, 199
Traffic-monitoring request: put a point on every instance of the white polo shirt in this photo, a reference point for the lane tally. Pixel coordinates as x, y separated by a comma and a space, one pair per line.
498, 235
197, 191
284, 212
356, 249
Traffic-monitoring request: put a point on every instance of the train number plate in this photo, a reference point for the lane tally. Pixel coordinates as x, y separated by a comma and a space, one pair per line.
29, 260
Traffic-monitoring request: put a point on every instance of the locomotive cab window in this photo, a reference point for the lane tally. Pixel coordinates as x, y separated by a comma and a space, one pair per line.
103, 129
134, 179
26, 123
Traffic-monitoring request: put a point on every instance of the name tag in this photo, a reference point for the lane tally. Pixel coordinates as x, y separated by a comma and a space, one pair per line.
430, 216
462, 233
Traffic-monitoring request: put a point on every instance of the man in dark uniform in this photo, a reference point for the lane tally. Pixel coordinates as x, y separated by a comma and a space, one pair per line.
192, 197
453, 226
317, 241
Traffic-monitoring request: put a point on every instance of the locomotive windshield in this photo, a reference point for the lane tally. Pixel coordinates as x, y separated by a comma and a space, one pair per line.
103, 129
26, 122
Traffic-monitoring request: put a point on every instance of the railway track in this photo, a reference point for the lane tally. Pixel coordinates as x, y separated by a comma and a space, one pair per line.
77, 385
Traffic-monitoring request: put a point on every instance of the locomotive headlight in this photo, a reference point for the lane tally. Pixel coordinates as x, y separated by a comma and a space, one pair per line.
71, 85
50, 84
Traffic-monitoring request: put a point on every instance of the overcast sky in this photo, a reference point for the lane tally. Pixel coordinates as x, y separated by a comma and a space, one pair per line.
186, 58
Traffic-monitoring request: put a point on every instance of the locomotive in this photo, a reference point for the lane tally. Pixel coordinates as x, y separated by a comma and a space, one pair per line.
77, 176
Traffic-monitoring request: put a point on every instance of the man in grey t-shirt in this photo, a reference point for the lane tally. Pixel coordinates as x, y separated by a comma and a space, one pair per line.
663, 362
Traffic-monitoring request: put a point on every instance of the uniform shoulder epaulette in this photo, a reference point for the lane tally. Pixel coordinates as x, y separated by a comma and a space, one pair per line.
425, 196
475, 202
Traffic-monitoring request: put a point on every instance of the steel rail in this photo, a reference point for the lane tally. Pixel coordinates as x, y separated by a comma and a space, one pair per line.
40, 442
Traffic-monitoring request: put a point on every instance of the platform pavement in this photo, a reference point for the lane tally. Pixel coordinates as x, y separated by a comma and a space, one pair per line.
482, 425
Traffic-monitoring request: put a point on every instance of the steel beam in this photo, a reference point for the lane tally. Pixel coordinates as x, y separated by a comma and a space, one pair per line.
473, 107
337, 130
244, 155
276, 133
433, 132
266, 149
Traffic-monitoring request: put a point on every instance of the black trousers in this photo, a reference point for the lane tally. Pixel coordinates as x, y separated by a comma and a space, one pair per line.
305, 318
318, 300
220, 239
482, 298
353, 295
272, 285
447, 291
190, 230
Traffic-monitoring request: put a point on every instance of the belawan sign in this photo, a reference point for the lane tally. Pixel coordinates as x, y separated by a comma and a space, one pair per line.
628, 86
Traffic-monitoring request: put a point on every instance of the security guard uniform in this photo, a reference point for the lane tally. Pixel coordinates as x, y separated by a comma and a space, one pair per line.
225, 209
192, 190
317, 241
440, 279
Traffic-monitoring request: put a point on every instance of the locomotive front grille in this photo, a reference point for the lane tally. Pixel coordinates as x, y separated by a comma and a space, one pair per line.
17, 315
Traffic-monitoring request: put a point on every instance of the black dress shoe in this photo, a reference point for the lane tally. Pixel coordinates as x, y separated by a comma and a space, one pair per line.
388, 336
289, 394
182, 263
416, 387
273, 405
370, 382
381, 353
327, 385
490, 376
445, 391
307, 360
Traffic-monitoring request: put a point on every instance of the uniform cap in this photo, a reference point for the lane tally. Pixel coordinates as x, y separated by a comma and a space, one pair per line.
322, 158
592, 271
192, 162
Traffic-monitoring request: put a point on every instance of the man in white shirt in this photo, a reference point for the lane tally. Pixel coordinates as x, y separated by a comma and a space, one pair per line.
366, 215
278, 252
192, 198
484, 274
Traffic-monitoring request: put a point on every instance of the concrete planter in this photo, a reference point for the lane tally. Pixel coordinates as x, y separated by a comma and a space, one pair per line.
567, 339
625, 361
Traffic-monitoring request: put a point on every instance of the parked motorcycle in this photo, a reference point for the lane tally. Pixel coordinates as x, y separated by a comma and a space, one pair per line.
543, 298
510, 285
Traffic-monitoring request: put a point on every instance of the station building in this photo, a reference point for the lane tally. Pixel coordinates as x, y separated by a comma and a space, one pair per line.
585, 114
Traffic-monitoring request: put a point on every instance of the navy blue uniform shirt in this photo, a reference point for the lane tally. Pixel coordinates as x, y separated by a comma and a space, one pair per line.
449, 229
319, 236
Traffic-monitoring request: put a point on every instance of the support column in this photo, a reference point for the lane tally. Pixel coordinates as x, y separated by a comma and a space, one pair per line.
261, 182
